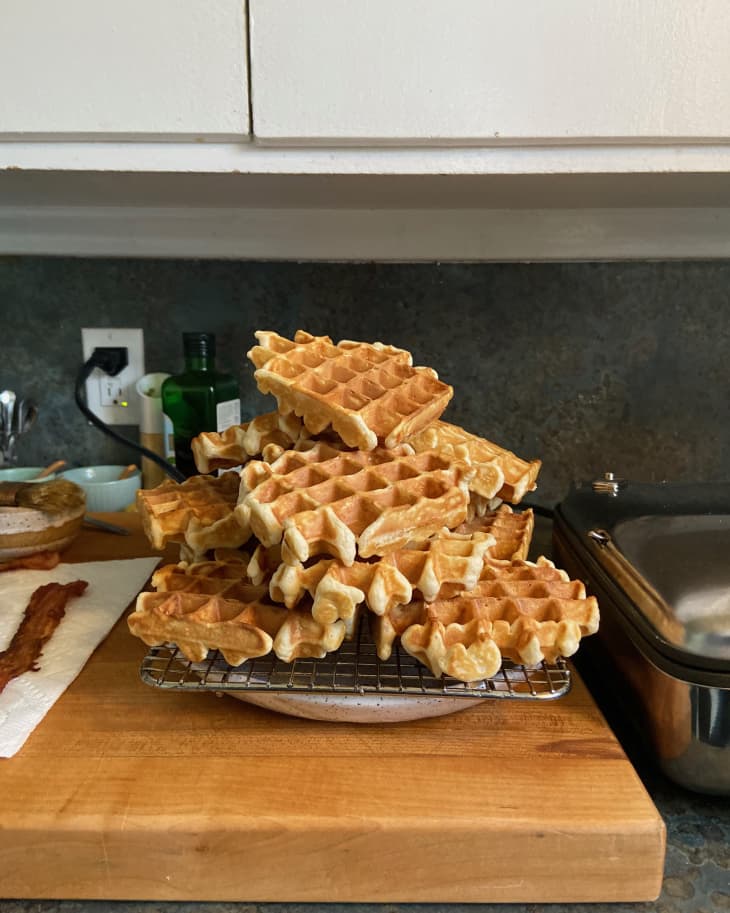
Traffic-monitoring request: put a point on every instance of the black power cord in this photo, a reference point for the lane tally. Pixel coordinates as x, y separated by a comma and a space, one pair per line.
539, 510
112, 360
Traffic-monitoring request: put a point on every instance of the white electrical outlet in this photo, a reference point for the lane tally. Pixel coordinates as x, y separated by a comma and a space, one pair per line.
114, 399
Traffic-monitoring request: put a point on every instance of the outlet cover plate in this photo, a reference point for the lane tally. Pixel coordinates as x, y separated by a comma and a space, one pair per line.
123, 389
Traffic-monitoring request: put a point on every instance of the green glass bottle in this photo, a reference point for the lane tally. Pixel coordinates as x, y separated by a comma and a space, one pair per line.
199, 399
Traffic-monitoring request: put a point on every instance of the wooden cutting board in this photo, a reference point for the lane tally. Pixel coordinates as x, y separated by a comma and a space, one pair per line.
125, 791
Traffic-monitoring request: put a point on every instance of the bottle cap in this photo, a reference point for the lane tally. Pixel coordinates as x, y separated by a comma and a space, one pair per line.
200, 344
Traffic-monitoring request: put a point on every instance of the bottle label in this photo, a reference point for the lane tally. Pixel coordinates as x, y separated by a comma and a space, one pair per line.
168, 439
227, 414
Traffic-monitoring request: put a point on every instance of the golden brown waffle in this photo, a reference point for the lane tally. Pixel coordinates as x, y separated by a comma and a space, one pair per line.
266, 435
240, 629
198, 623
369, 393
499, 473
325, 501
512, 531
524, 612
235, 555
302, 637
449, 561
199, 513
264, 561
228, 578
480, 507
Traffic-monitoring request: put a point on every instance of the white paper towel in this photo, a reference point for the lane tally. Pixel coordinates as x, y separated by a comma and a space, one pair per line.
88, 619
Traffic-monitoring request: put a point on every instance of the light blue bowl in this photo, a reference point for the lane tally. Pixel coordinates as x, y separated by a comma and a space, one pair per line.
105, 491
24, 474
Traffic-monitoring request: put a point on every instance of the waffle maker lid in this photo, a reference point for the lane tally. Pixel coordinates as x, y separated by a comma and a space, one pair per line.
663, 552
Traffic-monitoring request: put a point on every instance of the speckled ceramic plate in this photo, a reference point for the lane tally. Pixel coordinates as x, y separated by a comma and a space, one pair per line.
357, 708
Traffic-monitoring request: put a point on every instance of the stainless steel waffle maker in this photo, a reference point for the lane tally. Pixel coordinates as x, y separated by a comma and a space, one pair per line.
657, 556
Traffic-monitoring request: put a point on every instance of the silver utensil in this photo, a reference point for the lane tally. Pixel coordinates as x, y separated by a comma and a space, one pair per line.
17, 416
106, 527
7, 435
25, 414
28, 416
7, 407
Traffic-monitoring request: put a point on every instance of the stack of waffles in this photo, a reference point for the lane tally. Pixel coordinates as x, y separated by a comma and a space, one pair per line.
355, 497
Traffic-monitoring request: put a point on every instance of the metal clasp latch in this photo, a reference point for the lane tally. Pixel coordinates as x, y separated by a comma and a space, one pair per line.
609, 484
599, 536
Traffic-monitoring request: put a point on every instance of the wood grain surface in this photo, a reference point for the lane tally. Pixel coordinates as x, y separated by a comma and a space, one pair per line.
129, 792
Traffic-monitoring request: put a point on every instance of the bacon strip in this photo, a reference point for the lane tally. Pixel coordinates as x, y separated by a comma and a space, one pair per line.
41, 561
46, 608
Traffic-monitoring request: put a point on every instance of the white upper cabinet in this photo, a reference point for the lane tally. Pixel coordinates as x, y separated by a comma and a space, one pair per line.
375, 129
123, 69
490, 71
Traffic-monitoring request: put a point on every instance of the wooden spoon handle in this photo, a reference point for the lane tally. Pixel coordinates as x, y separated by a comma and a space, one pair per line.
127, 471
49, 469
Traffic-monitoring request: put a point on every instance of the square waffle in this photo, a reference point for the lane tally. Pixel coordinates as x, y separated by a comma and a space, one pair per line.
369, 393
326, 501
241, 628
519, 611
512, 531
449, 561
197, 623
266, 435
499, 473
198, 512
228, 578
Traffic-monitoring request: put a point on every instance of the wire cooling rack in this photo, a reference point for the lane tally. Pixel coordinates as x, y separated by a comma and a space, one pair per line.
353, 669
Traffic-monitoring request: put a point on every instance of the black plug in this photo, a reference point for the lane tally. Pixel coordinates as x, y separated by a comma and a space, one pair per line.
109, 359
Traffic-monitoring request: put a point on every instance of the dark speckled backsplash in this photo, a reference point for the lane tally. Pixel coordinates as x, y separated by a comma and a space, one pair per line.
588, 366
